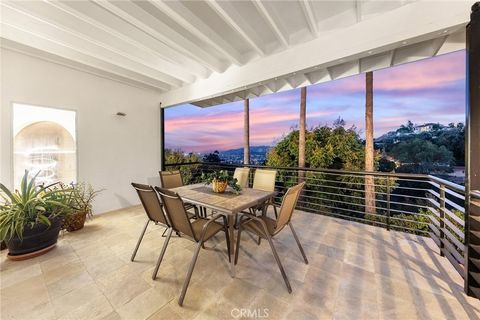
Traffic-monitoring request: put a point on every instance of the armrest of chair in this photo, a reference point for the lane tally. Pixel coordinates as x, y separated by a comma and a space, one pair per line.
214, 218
252, 217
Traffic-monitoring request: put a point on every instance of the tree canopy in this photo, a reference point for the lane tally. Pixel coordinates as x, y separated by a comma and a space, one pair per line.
178, 156
326, 147
422, 151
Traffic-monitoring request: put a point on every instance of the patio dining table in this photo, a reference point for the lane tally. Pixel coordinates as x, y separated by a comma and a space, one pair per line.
228, 203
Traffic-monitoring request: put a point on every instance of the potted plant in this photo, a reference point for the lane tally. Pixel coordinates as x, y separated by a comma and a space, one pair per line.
83, 196
30, 218
220, 180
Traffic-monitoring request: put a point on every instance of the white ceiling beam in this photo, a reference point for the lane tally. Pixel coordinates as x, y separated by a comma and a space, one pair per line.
358, 10
373, 34
307, 9
344, 70
271, 22
98, 18
43, 13
161, 32
26, 38
249, 37
317, 76
455, 41
35, 25
297, 80
375, 62
437, 45
184, 17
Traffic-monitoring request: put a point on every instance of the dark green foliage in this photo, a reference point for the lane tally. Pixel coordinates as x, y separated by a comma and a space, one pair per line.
385, 165
419, 151
178, 156
212, 157
32, 204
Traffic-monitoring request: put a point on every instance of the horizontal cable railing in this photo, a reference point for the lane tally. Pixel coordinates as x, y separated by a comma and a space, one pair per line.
421, 204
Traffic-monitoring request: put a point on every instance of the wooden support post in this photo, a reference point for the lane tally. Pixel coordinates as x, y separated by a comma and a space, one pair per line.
246, 131
301, 134
369, 150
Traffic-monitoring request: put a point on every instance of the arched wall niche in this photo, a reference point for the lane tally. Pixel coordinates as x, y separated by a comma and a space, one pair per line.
46, 148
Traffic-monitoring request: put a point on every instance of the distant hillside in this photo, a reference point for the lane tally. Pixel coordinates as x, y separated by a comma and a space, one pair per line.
254, 150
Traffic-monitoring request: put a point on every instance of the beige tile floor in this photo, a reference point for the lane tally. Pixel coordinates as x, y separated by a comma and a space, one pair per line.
355, 272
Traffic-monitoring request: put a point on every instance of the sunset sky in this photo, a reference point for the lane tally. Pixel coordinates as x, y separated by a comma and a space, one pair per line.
431, 90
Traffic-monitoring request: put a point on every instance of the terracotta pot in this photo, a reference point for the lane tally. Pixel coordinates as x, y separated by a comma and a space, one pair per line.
219, 186
75, 221
36, 238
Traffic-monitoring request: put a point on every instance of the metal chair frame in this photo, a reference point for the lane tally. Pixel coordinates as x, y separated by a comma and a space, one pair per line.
200, 241
138, 188
199, 211
246, 217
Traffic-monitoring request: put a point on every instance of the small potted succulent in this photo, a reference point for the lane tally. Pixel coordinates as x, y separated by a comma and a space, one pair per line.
220, 180
83, 196
31, 218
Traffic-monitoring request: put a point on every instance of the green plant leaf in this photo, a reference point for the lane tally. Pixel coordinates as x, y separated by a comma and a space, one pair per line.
44, 219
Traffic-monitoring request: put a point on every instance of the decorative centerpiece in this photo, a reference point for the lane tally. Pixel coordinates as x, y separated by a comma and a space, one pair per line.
31, 218
220, 180
84, 194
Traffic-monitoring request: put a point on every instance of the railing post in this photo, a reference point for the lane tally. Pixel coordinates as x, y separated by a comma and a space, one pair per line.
162, 138
442, 218
388, 203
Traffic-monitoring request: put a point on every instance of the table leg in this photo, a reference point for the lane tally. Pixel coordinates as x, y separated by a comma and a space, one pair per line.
231, 232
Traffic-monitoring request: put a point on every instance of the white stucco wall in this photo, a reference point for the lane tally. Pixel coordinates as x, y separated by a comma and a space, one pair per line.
112, 151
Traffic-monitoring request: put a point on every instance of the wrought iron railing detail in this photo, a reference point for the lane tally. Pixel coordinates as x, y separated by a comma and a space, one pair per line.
421, 204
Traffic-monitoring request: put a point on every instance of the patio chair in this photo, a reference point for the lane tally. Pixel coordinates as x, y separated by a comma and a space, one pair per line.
264, 180
198, 231
173, 179
153, 208
267, 228
242, 176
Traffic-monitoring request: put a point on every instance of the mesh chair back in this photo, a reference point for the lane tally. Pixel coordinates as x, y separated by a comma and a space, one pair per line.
242, 175
289, 203
176, 213
150, 202
171, 179
264, 180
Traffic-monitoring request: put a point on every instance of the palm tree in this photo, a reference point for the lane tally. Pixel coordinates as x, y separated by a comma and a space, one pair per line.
246, 131
301, 133
369, 151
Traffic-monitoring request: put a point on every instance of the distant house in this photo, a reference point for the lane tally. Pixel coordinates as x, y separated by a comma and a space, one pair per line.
427, 127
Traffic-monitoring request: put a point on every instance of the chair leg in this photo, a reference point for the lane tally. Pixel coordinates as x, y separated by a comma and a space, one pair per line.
139, 240
227, 236
298, 243
195, 208
189, 274
237, 249
282, 271
275, 211
162, 253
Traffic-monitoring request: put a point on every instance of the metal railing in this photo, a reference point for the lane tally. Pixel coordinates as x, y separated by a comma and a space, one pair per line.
421, 204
